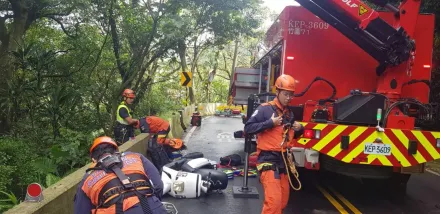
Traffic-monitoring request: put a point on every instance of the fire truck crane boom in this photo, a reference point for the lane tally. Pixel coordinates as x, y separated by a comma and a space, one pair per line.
390, 46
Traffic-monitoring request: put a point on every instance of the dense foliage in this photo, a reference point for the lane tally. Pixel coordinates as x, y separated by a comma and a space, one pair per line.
65, 63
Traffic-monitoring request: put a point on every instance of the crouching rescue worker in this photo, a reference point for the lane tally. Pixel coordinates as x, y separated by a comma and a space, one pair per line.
124, 129
119, 183
273, 123
159, 128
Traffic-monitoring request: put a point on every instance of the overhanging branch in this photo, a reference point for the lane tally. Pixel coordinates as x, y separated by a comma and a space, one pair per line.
67, 12
61, 25
226, 78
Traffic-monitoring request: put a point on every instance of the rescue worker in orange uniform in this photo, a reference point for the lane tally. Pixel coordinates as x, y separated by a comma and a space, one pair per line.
119, 183
268, 123
159, 128
124, 129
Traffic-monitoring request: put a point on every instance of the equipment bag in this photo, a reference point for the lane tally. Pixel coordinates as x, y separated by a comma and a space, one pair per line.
231, 160
158, 155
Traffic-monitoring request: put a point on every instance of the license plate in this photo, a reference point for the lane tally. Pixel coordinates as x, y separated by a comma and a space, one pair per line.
377, 149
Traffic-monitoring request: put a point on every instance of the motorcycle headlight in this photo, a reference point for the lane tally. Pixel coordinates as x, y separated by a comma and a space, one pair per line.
178, 186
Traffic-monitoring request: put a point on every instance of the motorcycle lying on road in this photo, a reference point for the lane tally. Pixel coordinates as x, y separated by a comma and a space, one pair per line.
188, 178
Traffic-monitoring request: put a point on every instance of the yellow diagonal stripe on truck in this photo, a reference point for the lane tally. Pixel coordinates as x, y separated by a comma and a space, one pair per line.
303, 141
404, 140
320, 126
396, 152
382, 159
303, 123
359, 149
425, 142
329, 137
355, 134
436, 134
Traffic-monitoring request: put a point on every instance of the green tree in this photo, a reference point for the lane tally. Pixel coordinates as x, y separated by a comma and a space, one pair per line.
212, 24
17, 17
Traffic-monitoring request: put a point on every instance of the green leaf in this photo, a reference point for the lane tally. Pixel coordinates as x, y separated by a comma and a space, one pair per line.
58, 153
11, 197
51, 179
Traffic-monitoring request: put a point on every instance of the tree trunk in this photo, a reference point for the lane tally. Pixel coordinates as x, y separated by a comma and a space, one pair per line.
182, 55
10, 41
6, 73
234, 62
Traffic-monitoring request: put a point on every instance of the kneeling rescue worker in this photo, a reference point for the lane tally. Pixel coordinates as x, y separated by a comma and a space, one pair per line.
160, 128
272, 122
124, 129
119, 183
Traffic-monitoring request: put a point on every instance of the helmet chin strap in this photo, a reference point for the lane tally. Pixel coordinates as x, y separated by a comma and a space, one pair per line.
278, 94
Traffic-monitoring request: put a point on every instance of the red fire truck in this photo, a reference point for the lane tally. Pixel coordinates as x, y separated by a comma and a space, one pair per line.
363, 86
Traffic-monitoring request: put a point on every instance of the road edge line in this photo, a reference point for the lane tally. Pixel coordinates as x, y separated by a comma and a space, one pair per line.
332, 200
432, 172
186, 140
345, 201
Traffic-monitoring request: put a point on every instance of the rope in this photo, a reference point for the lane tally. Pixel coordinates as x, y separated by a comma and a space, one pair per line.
291, 165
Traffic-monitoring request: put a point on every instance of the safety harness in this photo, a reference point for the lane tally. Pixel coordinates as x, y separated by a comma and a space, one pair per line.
123, 186
288, 122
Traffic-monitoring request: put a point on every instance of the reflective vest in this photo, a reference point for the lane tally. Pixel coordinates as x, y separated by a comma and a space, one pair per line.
104, 188
118, 117
270, 139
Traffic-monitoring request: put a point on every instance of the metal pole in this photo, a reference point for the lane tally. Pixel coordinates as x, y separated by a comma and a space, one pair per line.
260, 81
261, 76
247, 145
245, 191
269, 73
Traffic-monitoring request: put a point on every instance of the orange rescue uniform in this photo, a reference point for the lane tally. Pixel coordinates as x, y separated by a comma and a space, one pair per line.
98, 179
270, 163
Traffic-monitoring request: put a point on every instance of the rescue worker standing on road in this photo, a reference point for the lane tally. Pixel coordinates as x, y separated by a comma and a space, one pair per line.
134, 186
268, 123
124, 129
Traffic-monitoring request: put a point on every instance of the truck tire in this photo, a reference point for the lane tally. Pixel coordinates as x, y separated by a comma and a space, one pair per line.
398, 183
395, 186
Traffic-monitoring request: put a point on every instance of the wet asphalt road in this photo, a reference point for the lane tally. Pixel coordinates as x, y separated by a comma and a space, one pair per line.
321, 192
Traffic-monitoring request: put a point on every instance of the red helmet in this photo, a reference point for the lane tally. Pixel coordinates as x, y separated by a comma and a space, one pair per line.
128, 93
103, 140
285, 82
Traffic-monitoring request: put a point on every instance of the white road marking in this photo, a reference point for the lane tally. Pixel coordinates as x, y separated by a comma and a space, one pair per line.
227, 137
188, 136
432, 172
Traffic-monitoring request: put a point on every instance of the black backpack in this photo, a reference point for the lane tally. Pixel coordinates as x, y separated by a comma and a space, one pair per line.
231, 160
